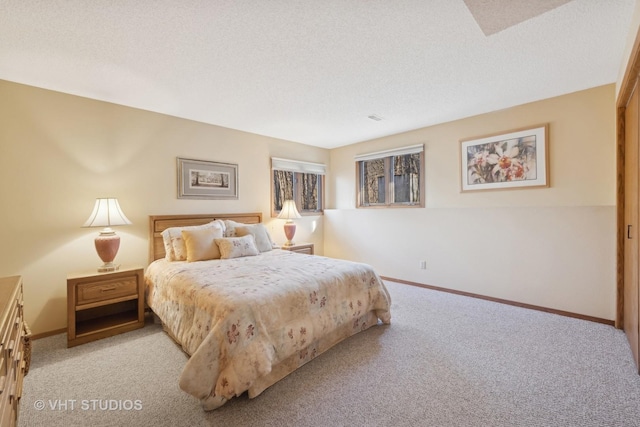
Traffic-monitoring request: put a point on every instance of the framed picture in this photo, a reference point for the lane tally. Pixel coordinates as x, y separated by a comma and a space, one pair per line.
202, 179
508, 160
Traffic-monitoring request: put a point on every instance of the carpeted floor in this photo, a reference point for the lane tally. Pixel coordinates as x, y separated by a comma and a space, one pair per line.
446, 360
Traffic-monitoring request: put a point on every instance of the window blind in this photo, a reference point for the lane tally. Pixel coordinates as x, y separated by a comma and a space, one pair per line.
298, 166
392, 152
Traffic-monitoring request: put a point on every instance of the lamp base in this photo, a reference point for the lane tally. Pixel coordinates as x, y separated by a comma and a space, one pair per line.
107, 245
289, 232
108, 266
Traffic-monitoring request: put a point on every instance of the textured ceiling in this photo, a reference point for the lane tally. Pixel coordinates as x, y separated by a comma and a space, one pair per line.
313, 71
496, 15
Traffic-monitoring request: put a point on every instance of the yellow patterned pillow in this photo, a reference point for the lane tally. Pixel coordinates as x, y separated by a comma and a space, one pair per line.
174, 245
200, 243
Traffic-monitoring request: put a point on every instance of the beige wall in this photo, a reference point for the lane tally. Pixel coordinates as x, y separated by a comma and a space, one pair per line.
59, 152
553, 247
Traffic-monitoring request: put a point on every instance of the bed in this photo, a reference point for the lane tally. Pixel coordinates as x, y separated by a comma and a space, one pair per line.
247, 321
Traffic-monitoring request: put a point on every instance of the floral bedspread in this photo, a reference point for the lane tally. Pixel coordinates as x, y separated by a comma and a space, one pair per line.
247, 322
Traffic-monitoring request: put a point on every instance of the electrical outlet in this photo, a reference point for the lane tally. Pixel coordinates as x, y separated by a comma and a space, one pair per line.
423, 265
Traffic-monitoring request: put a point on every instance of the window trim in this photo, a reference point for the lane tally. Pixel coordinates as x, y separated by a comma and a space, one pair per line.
299, 167
387, 155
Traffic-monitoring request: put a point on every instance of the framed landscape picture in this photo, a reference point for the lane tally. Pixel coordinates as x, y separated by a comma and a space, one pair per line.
509, 160
202, 179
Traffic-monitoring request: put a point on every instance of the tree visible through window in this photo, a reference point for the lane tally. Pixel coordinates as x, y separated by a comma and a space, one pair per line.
373, 172
406, 178
394, 180
305, 188
309, 184
282, 188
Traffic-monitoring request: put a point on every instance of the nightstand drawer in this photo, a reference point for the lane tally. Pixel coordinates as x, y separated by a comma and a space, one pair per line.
301, 248
106, 290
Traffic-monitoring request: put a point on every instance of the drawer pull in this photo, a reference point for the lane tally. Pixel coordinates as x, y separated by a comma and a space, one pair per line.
89, 293
2, 381
12, 344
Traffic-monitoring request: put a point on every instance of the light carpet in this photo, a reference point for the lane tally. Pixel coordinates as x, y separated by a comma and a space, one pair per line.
445, 360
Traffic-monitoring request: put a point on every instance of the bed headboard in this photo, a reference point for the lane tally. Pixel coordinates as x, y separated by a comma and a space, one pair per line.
159, 223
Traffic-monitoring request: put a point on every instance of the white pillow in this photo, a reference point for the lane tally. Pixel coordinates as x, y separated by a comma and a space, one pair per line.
172, 237
200, 243
259, 233
169, 255
230, 227
235, 247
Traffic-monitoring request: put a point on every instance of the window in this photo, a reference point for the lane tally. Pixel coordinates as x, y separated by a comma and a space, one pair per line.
299, 181
391, 178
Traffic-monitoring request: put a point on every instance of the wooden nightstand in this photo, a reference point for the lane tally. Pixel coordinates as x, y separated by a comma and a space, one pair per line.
301, 248
100, 305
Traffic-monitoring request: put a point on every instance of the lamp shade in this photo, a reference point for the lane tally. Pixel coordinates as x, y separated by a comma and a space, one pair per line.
289, 210
106, 212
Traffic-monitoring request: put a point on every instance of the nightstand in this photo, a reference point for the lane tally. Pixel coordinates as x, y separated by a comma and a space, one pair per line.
301, 248
100, 305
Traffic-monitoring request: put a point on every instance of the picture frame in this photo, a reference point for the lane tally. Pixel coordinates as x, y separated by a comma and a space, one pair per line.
514, 159
203, 179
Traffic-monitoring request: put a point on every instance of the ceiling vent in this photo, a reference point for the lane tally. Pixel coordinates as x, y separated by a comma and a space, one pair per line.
375, 117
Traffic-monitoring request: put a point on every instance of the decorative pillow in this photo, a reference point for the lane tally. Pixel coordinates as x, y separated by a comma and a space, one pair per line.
173, 235
230, 227
169, 255
200, 243
259, 233
220, 224
235, 247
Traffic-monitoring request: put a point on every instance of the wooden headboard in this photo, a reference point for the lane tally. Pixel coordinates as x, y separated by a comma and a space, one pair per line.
159, 223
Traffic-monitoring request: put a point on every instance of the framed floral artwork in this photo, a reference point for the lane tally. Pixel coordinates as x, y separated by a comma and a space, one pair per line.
202, 179
509, 160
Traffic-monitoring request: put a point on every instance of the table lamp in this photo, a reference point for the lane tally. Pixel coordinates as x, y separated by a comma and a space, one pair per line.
107, 213
289, 212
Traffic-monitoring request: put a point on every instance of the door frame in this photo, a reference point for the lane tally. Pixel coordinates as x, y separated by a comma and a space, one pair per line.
626, 89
